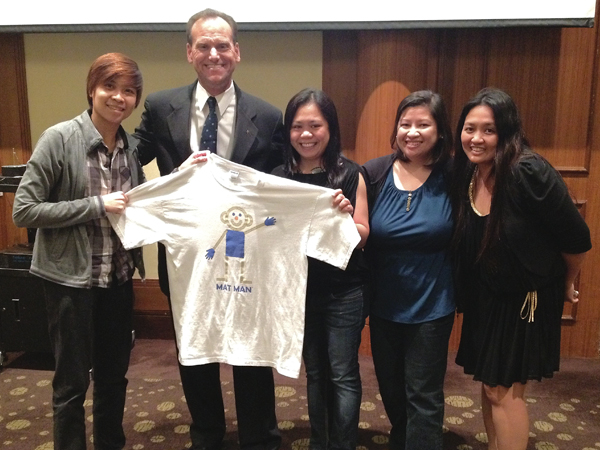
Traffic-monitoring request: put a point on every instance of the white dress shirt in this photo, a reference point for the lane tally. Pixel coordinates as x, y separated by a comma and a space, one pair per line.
225, 115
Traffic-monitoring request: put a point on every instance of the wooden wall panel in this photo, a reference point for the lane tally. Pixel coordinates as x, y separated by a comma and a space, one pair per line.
524, 63
14, 114
571, 148
582, 338
548, 72
462, 67
340, 49
15, 140
391, 65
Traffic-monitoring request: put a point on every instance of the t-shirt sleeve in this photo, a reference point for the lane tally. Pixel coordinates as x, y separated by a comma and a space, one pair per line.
142, 222
333, 235
544, 194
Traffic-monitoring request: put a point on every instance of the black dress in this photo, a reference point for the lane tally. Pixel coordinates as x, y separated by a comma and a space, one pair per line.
500, 344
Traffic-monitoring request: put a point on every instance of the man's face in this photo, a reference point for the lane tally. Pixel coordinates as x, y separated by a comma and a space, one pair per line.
213, 54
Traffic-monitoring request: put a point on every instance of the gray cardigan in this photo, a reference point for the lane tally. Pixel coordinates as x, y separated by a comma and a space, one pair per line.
52, 198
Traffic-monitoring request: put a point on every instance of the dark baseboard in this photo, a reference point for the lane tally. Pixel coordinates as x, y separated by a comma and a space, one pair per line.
153, 325
151, 315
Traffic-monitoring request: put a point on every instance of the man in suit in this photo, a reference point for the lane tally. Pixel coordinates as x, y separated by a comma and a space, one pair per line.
249, 132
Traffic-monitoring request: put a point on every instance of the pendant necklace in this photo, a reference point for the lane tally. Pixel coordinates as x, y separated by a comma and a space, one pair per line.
399, 184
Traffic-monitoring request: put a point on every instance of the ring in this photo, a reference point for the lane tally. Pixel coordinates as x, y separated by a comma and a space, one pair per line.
575, 293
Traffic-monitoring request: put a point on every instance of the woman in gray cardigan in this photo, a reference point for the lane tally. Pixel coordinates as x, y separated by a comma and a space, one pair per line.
79, 171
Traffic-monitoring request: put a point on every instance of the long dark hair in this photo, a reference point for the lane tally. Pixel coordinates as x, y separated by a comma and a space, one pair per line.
440, 153
512, 143
332, 159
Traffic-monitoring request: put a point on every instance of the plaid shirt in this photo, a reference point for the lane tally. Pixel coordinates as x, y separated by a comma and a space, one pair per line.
108, 173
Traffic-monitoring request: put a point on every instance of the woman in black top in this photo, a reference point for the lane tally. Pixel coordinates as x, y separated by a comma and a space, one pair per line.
520, 243
335, 310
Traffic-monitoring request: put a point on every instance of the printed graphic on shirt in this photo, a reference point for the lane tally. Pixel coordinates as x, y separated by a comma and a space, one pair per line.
238, 223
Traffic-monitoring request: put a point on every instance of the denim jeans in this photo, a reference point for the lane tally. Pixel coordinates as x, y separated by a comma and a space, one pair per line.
410, 364
89, 329
331, 340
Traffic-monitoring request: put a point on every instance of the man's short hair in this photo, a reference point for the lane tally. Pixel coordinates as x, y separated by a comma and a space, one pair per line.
209, 13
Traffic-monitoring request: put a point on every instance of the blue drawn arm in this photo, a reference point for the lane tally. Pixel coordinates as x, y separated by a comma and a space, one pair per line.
210, 253
267, 223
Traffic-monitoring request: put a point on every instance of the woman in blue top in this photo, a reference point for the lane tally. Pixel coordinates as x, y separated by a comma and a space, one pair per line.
335, 313
412, 309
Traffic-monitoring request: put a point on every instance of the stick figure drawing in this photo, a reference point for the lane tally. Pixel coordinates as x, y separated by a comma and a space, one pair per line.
238, 222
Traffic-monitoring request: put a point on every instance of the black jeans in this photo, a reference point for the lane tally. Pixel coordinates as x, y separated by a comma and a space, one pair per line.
254, 402
410, 364
89, 329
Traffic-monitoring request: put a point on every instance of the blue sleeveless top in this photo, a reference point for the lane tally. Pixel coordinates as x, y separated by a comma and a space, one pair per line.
412, 271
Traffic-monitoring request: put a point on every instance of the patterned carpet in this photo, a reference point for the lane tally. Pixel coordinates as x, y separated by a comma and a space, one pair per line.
564, 411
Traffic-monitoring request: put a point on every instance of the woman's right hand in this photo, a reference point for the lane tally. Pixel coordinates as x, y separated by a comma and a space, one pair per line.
341, 202
115, 202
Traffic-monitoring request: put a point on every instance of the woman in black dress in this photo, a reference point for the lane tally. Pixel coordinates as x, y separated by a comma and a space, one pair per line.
520, 243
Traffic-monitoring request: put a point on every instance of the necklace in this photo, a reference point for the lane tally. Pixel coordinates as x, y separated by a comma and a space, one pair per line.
408, 200
473, 178
398, 182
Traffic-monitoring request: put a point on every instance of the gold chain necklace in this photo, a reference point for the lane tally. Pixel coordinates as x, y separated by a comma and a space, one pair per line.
473, 178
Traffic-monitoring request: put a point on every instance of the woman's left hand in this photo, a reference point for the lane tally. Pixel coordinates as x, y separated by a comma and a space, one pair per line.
341, 202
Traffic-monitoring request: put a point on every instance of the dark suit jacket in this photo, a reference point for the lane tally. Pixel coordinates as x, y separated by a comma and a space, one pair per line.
164, 134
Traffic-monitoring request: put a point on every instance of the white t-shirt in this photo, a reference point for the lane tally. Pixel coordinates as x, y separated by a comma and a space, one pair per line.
237, 243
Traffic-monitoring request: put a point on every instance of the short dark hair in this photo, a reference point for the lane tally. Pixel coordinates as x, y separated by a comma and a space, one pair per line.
332, 154
441, 151
111, 66
209, 13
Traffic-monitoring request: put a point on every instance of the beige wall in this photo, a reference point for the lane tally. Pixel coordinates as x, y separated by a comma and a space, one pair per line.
274, 67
